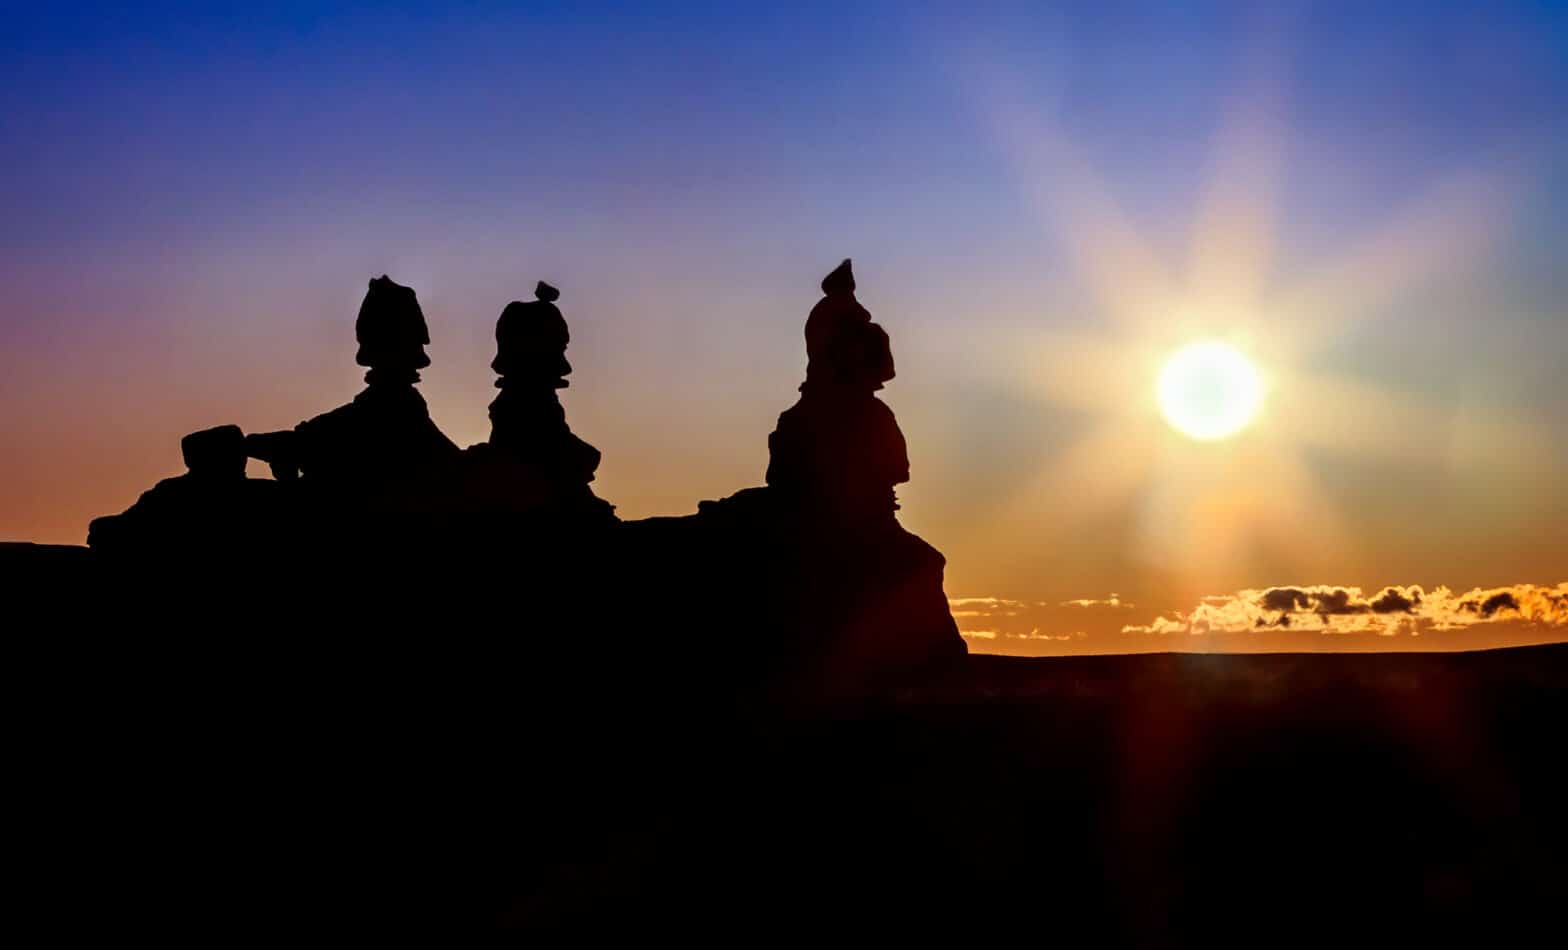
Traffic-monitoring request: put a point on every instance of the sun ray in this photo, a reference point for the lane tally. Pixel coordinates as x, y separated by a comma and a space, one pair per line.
1098, 474
1257, 504
1117, 266
1234, 236
1364, 420
1251, 502
1451, 226
1357, 419
1102, 375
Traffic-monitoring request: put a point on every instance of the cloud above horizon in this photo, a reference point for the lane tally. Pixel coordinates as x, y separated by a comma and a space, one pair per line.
1391, 611
983, 620
1280, 617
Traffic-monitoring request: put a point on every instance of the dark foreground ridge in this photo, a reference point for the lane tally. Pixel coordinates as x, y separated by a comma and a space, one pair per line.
221, 789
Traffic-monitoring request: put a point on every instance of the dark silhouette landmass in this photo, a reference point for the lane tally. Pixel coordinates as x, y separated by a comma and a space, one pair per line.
221, 788
406, 692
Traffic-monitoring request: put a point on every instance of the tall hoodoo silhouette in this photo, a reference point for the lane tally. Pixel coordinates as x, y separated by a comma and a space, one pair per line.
385, 436
532, 460
839, 448
845, 593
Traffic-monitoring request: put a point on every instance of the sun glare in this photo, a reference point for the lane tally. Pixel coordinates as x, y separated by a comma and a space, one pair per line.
1168, 318
1209, 391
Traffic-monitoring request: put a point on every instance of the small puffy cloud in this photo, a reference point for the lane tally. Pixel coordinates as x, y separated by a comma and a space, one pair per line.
1035, 633
1491, 604
1282, 598
1114, 601
1162, 625
1396, 600
986, 602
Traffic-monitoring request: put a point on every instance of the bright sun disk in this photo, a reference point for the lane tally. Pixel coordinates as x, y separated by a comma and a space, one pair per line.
1209, 391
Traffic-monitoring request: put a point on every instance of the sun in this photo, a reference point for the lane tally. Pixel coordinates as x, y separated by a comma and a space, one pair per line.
1209, 391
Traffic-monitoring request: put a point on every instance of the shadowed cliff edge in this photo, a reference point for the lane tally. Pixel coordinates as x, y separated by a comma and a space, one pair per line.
406, 689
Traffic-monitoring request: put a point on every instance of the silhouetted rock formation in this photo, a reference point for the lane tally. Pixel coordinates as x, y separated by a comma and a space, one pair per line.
839, 448
379, 448
371, 501
533, 463
211, 509
845, 594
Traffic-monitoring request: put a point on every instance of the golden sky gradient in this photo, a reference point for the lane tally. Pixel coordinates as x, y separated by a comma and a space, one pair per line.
1042, 208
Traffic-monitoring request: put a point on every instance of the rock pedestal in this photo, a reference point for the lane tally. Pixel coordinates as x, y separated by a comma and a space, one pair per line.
533, 464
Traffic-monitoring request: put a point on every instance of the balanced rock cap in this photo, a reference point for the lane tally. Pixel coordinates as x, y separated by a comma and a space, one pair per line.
531, 337
391, 327
219, 449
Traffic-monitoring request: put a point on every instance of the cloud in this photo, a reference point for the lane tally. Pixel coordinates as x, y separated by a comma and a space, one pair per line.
1389, 612
1501, 600
1036, 634
1395, 600
983, 601
1333, 601
1029, 625
1310, 617
1161, 625
1113, 601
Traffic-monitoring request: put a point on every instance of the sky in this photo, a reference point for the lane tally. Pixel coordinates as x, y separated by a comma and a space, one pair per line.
1367, 201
